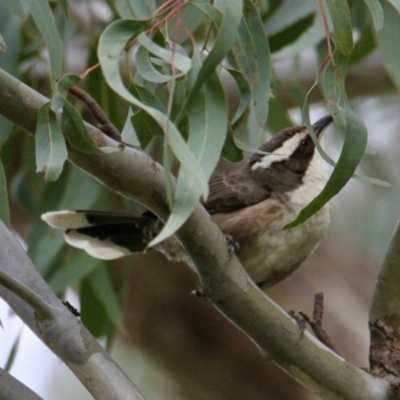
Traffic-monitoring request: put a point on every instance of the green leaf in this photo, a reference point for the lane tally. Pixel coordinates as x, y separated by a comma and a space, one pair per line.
45, 22
75, 130
93, 313
3, 46
13, 354
139, 9
148, 71
17, 7
227, 30
388, 38
251, 51
100, 281
208, 127
395, 4
4, 206
72, 270
128, 134
364, 46
111, 45
376, 11
355, 140
181, 61
51, 151
288, 14
291, 34
230, 151
311, 37
244, 95
64, 6
146, 127
341, 19
278, 116
5, 130
350, 157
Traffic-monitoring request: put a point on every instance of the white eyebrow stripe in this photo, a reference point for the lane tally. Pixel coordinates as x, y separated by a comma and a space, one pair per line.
281, 153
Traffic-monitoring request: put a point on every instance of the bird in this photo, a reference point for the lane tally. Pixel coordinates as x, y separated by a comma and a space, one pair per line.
251, 205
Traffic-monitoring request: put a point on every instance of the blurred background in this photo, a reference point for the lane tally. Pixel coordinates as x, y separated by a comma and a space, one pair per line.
175, 345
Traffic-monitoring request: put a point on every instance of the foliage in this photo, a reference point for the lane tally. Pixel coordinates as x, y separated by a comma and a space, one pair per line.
185, 81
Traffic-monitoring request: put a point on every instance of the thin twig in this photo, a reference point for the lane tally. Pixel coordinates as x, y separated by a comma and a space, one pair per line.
316, 322
328, 34
105, 124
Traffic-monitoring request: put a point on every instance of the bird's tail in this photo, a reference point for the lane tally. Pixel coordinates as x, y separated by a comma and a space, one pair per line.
105, 235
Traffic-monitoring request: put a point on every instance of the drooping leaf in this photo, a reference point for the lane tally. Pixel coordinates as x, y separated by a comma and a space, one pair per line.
75, 130
111, 45
17, 7
244, 95
51, 151
341, 20
388, 38
100, 281
355, 138
93, 313
208, 127
288, 14
45, 22
251, 51
364, 46
229, 23
376, 11
3, 46
4, 207
146, 127
128, 134
181, 61
230, 151
395, 4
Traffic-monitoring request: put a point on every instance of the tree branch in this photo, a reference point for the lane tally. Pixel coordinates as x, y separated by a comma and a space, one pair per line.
63, 333
138, 177
384, 316
13, 389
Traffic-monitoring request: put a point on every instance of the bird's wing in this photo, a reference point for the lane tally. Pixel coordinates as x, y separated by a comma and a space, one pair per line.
231, 192
102, 234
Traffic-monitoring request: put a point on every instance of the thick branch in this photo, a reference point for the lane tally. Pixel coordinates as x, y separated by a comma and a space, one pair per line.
64, 335
384, 314
138, 177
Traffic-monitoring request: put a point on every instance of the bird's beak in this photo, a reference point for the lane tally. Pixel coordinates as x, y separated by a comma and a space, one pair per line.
321, 124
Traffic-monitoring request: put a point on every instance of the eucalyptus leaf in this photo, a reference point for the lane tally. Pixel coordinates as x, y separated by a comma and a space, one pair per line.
51, 150
341, 19
231, 16
208, 128
3, 46
376, 11
100, 281
45, 22
355, 138
111, 45
251, 51
17, 7
388, 38
180, 61
4, 206
128, 134
395, 4
75, 130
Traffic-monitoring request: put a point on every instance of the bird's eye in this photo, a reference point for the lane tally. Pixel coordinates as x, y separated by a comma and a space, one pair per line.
304, 142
